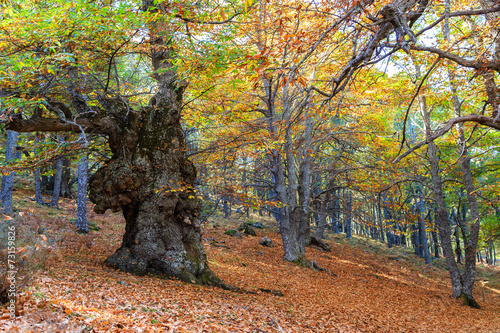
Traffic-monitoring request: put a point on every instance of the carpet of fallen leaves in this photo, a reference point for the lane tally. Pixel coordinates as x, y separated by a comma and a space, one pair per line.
368, 289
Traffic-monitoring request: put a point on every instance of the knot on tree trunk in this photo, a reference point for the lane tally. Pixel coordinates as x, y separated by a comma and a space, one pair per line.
116, 185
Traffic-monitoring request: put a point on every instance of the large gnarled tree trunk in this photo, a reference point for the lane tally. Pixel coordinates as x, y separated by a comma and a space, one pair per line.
148, 177
152, 182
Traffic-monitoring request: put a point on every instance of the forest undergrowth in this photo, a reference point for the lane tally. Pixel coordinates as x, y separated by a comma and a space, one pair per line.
365, 287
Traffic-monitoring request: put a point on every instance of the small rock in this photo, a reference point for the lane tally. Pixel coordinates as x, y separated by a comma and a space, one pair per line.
247, 229
266, 242
258, 225
260, 252
122, 283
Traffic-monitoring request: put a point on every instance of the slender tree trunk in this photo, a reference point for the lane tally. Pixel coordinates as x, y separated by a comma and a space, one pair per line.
38, 189
380, 220
65, 177
389, 220
285, 193
458, 248
435, 239
441, 215
56, 192
348, 213
292, 208
422, 229
336, 212
322, 217
305, 183
81, 203
473, 237
415, 235
8, 181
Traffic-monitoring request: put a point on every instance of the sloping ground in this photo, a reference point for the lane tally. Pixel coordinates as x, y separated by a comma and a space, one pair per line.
369, 289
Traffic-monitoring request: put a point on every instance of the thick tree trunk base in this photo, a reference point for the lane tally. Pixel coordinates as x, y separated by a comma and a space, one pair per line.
81, 231
469, 301
125, 261
302, 261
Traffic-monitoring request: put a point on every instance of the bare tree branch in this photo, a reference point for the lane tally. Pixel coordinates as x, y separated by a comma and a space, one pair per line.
480, 119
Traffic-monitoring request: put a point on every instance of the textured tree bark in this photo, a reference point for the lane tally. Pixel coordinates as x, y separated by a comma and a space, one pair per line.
434, 237
56, 192
81, 198
422, 229
320, 228
285, 215
294, 251
304, 232
380, 220
65, 191
347, 213
148, 177
8, 181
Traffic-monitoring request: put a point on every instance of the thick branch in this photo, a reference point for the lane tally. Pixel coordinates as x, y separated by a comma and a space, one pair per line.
56, 125
483, 120
479, 65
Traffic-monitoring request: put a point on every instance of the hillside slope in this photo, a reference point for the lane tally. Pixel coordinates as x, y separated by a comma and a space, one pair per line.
369, 288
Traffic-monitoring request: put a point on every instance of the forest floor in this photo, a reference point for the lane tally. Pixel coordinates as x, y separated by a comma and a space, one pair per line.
369, 288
